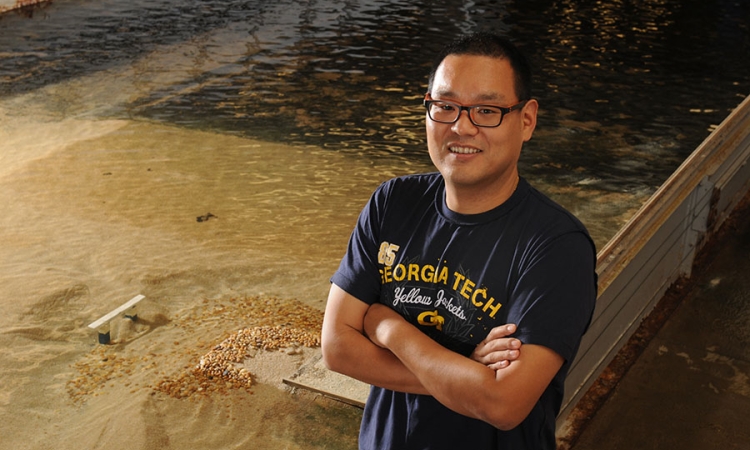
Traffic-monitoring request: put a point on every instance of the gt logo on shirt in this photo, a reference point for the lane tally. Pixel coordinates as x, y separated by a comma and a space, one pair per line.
432, 319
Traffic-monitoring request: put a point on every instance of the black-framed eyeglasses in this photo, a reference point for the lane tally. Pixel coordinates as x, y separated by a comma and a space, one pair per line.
488, 116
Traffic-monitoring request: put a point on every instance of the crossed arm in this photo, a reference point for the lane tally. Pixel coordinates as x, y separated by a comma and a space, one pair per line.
374, 344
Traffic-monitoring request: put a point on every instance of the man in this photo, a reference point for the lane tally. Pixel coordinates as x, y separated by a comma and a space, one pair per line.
439, 263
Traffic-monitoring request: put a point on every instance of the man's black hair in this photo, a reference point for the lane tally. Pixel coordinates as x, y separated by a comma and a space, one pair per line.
494, 46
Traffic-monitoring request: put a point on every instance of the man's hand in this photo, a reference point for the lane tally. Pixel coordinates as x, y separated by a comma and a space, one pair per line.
498, 350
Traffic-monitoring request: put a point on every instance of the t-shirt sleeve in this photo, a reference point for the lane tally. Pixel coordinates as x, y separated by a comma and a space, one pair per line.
553, 300
358, 272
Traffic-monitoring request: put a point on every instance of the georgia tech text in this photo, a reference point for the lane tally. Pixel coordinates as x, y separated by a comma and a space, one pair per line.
428, 273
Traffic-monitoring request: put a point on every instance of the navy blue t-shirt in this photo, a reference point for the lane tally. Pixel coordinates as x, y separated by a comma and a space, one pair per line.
455, 277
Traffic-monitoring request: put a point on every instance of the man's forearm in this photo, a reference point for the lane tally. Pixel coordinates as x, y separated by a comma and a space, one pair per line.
354, 355
450, 377
348, 351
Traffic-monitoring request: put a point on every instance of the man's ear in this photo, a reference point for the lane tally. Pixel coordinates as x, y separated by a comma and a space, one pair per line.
529, 118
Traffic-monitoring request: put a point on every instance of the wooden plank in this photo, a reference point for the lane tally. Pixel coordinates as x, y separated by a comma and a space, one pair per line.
325, 392
315, 377
653, 253
734, 178
659, 244
115, 312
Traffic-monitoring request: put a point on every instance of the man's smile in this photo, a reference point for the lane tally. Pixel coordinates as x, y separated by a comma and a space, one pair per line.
463, 150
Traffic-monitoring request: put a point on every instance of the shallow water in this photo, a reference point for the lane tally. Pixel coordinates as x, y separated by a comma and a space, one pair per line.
122, 123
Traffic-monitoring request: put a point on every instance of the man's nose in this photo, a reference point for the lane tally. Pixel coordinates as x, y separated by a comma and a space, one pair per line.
464, 125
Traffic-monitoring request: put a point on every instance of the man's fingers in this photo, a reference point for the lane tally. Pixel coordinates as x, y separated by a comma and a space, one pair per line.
503, 357
499, 365
498, 350
501, 332
498, 345
506, 355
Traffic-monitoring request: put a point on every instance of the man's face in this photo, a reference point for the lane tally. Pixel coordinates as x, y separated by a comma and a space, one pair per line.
470, 158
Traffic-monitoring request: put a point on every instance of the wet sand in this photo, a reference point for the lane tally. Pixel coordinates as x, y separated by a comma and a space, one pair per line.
86, 226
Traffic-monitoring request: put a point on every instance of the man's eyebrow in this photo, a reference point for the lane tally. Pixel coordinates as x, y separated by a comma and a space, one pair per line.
485, 97
492, 96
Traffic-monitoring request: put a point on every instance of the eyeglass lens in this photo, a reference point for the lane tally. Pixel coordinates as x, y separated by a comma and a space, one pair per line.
447, 112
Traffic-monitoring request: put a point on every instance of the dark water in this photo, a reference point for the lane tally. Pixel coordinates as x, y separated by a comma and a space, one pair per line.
627, 89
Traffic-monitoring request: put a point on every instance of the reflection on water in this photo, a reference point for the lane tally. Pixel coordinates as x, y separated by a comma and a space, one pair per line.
627, 90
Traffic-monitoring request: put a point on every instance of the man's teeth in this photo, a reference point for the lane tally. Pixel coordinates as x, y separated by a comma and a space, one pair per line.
464, 150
